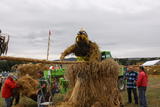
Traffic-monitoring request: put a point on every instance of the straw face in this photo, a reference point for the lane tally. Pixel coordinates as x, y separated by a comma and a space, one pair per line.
88, 50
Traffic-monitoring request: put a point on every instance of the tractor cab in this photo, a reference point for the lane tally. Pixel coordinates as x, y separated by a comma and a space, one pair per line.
105, 55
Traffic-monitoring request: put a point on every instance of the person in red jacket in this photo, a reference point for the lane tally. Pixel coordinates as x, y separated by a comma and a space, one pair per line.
142, 83
7, 89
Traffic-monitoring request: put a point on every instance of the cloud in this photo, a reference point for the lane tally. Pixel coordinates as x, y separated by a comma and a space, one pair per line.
128, 28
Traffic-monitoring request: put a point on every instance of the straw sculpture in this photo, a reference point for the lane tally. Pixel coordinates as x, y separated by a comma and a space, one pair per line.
93, 83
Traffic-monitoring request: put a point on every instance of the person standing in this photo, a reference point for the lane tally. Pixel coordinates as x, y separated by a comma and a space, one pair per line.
142, 83
131, 77
41, 92
7, 89
0, 82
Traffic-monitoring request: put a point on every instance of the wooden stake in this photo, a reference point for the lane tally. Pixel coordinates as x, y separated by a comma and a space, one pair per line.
49, 36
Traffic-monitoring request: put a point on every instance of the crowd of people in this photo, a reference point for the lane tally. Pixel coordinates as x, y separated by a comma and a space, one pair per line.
136, 81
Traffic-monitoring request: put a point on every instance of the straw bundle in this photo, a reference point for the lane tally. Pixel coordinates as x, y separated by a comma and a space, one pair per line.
93, 84
28, 85
30, 69
27, 78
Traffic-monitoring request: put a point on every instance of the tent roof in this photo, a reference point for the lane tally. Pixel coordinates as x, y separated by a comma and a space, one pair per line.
150, 63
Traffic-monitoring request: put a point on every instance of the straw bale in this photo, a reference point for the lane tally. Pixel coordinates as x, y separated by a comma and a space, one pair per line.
28, 85
94, 83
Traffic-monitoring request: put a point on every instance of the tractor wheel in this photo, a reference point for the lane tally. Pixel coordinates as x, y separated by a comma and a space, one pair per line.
121, 84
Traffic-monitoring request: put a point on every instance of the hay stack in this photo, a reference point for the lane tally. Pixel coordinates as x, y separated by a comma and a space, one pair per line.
30, 69
28, 85
93, 83
153, 69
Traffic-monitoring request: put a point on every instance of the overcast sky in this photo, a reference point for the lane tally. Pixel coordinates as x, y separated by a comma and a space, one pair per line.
128, 28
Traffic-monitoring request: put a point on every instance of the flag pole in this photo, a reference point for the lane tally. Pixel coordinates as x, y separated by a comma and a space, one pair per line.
48, 44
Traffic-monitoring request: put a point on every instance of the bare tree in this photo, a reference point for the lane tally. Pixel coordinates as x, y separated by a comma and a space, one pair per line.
3, 43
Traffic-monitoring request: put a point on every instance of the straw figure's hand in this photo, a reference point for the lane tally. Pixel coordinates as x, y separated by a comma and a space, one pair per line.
62, 57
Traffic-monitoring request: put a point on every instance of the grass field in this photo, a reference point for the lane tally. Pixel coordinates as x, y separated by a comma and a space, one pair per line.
153, 95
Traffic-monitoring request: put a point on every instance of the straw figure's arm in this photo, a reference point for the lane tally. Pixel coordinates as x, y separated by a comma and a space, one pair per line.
95, 54
68, 51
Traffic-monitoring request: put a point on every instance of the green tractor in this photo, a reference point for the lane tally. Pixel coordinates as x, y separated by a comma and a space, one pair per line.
57, 74
121, 81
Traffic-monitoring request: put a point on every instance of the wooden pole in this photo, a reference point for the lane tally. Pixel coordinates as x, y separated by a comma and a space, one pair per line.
10, 58
49, 36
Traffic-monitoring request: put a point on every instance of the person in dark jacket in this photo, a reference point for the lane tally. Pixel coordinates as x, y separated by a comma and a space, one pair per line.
7, 89
142, 83
0, 82
131, 77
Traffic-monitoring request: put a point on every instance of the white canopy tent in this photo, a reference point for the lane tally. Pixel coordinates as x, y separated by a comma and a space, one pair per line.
151, 63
